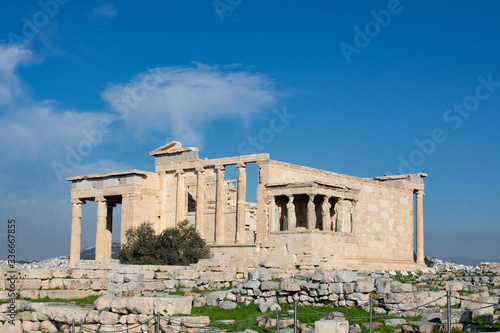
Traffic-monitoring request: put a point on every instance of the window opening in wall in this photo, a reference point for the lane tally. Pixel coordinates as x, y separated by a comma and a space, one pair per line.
191, 202
281, 220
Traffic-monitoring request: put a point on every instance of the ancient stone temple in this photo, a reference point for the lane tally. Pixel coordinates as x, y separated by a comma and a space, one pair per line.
303, 217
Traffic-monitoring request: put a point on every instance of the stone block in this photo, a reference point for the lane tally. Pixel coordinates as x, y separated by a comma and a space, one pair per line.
67, 294
454, 285
31, 294
255, 285
104, 301
58, 273
35, 274
98, 284
170, 284
87, 264
134, 286
92, 317
62, 313
431, 316
116, 278
30, 326
349, 287
228, 305
155, 285
118, 305
76, 284
187, 274
108, 318
418, 326
29, 284
358, 297
288, 285
162, 275
329, 276
332, 326
56, 283
140, 305
173, 305
188, 283
261, 274
398, 287
382, 285
188, 324
47, 327
218, 276
133, 277
364, 287
457, 316
129, 269
346, 276
394, 322
336, 288
269, 285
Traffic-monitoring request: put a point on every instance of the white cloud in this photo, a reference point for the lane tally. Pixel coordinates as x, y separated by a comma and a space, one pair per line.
10, 85
106, 9
180, 100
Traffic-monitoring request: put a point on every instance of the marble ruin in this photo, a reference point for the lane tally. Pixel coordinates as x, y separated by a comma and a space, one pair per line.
303, 217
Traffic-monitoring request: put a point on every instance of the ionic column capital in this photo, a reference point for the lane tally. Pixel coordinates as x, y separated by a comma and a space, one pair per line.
241, 165
220, 167
179, 172
77, 201
311, 197
419, 192
200, 170
101, 199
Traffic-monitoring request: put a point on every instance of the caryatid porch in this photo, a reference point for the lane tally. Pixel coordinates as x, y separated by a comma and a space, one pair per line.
311, 205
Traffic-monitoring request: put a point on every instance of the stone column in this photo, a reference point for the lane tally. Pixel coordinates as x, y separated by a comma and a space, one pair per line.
420, 227
180, 206
100, 239
290, 213
339, 211
325, 213
76, 232
200, 200
311, 213
240, 206
220, 205
163, 201
109, 232
272, 214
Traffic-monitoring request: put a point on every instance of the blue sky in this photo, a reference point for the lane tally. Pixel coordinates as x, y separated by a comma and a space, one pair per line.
370, 88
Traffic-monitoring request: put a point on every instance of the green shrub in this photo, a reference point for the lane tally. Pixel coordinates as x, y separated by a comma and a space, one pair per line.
181, 245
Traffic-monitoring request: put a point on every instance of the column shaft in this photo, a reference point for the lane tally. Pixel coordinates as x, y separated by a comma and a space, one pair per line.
420, 227
273, 226
109, 233
76, 233
290, 213
339, 211
200, 200
311, 213
180, 205
163, 202
240, 206
100, 239
325, 213
220, 206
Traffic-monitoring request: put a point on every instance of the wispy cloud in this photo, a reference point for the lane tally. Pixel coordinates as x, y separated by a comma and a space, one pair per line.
180, 100
10, 85
107, 10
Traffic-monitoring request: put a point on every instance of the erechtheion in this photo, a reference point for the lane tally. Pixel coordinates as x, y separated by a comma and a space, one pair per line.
303, 217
